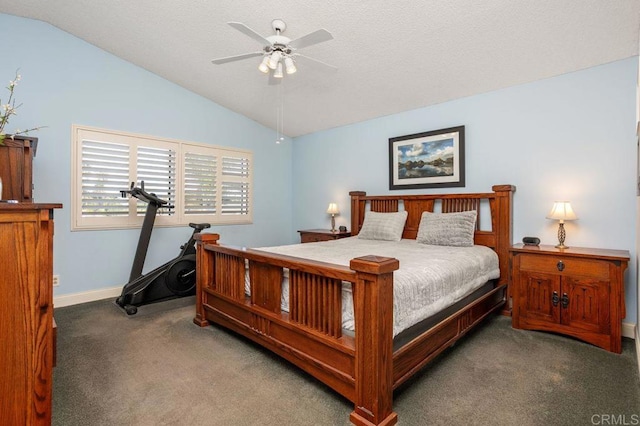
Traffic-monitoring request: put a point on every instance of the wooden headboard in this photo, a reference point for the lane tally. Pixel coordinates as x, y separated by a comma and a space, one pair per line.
498, 237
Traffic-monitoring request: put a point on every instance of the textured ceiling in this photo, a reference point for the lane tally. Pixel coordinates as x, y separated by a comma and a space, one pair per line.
392, 56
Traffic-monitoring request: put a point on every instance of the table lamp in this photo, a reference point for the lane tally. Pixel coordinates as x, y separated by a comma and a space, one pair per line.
333, 211
561, 211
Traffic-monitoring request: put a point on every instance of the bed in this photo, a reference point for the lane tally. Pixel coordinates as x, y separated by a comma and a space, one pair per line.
364, 366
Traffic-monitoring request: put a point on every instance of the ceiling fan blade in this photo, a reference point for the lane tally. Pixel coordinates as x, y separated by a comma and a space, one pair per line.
310, 39
315, 61
251, 33
220, 61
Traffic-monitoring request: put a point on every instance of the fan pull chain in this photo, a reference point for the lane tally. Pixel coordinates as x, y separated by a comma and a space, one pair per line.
279, 116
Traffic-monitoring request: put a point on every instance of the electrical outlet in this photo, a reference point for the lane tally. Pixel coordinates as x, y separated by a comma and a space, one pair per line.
56, 280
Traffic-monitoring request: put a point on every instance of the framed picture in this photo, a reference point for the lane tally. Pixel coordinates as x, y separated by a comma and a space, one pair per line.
427, 160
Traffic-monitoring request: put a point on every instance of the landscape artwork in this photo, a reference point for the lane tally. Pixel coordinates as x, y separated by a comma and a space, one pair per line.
427, 160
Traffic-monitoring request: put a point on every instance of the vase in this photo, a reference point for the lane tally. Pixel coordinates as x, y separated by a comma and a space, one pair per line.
16, 165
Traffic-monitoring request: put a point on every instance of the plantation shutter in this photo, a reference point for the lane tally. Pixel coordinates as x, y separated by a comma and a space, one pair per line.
105, 171
156, 167
235, 185
199, 184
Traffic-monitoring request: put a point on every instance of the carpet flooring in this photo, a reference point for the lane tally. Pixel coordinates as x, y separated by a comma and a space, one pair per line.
158, 368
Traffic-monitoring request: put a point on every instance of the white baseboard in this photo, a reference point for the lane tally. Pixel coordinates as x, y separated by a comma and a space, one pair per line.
629, 330
86, 296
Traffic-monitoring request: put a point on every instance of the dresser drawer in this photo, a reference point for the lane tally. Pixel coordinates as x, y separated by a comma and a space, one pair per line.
564, 265
312, 238
315, 235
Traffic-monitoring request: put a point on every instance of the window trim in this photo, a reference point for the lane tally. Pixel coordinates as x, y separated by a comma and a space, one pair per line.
179, 218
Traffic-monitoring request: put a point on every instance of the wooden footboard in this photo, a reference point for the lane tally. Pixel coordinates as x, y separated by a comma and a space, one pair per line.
310, 334
363, 368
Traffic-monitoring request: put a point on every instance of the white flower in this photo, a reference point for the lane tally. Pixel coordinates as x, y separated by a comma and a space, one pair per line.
14, 83
9, 109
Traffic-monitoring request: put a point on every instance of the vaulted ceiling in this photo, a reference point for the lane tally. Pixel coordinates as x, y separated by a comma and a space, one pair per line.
392, 56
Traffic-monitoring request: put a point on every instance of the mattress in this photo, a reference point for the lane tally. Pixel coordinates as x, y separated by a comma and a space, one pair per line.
430, 278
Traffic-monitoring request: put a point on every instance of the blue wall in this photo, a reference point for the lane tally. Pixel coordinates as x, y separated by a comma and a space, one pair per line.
570, 137
67, 81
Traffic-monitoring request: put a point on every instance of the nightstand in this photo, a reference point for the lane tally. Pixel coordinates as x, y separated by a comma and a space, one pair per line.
314, 235
577, 291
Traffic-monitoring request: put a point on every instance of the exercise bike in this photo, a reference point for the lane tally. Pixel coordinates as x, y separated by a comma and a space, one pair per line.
176, 278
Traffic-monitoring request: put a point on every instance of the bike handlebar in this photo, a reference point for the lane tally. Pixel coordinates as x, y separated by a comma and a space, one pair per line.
141, 194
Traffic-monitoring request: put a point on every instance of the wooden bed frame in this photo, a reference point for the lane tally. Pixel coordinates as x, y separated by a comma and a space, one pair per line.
364, 368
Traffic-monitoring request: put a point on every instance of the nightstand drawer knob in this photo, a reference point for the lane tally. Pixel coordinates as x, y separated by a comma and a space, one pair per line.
555, 299
565, 300
560, 265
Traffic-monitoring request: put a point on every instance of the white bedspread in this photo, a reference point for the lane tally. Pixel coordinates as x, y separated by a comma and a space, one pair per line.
430, 278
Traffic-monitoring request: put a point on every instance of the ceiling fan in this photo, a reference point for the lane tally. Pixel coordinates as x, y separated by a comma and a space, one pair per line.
279, 52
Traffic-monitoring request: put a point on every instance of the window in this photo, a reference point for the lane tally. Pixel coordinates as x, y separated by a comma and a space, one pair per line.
200, 182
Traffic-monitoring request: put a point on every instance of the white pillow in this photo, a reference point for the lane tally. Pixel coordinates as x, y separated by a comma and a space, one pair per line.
447, 229
383, 226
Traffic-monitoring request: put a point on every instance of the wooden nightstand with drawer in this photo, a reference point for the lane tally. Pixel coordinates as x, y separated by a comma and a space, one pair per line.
577, 291
315, 235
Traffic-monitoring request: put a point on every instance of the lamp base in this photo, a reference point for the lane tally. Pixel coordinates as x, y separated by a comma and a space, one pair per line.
561, 236
333, 223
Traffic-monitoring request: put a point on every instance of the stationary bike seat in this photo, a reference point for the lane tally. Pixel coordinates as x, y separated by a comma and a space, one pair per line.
200, 226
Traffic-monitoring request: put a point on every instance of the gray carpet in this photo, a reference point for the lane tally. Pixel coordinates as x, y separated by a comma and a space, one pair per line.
158, 368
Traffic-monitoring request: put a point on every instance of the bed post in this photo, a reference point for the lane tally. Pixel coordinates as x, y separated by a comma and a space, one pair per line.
373, 313
204, 273
357, 210
504, 199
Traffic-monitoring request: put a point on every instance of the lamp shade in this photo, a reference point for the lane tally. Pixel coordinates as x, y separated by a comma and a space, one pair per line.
278, 72
290, 65
274, 59
264, 65
333, 209
562, 211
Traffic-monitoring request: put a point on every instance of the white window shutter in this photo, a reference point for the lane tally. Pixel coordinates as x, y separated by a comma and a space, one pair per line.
105, 171
199, 184
156, 167
235, 185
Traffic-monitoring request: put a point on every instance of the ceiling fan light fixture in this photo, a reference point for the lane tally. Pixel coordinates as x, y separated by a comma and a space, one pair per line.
274, 59
290, 65
278, 72
278, 50
264, 65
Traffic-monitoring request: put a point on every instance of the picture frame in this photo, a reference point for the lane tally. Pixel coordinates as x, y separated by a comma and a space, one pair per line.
433, 159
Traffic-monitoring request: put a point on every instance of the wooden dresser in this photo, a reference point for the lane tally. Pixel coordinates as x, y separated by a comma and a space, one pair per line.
576, 291
26, 313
